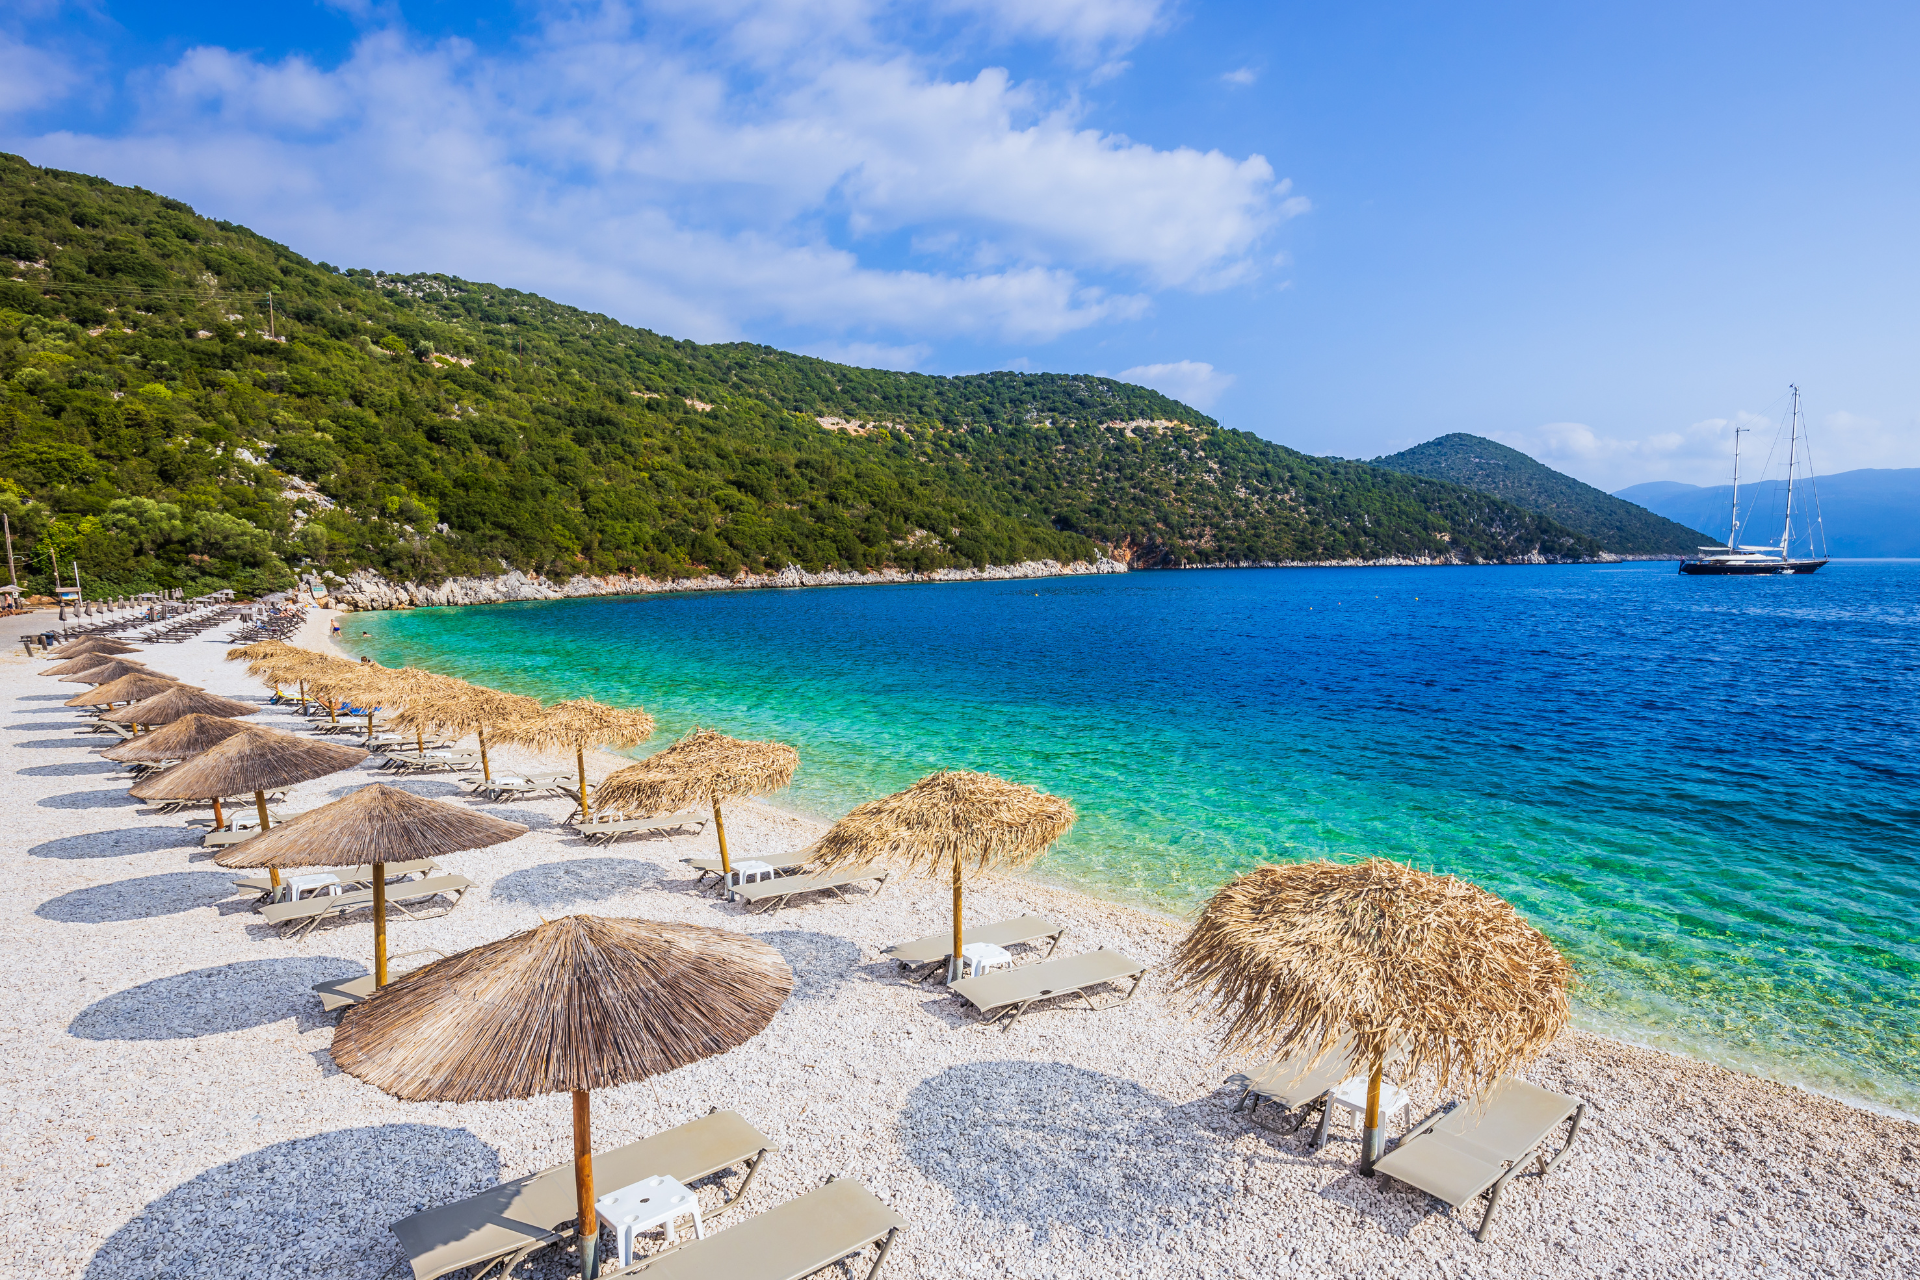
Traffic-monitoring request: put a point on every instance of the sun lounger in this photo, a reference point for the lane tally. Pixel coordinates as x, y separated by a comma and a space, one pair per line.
1473, 1146
936, 947
776, 892
612, 829
501, 1227
783, 864
806, 1234
351, 877
301, 916
1295, 1082
1008, 992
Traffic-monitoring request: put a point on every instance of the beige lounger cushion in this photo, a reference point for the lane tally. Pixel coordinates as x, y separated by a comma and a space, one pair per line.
1006, 987
779, 862
782, 887
322, 904
1464, 1152
1001, 933
626, 826
1298, 1080
788, 1242
522, 1214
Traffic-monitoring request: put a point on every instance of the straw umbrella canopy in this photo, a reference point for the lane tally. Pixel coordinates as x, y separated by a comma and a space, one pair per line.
577, 1004
946, 824
303, 667
263, 649
132, 687
87, 662
189, 735
93, 644
1294, 957
181, 700
255, 760
464, 708
704, 767
377, 824
104, 670
579, 724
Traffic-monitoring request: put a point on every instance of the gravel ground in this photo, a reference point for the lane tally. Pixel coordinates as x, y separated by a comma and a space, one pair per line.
171, 1109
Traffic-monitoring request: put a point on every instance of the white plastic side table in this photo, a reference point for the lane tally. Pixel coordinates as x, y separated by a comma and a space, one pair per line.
1351, 1095
647, 1204
978, 957
747, 873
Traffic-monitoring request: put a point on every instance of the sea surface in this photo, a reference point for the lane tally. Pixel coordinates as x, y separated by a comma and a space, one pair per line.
1705, 790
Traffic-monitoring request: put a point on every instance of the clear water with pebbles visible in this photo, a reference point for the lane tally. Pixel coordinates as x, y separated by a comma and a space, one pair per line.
1706, 790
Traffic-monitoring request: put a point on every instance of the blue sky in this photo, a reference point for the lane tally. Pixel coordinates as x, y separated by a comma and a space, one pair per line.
1598, 233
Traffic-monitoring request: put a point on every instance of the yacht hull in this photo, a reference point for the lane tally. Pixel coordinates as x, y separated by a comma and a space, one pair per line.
1724, 569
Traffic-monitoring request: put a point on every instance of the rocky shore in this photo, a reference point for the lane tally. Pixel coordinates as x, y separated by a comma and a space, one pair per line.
365, 590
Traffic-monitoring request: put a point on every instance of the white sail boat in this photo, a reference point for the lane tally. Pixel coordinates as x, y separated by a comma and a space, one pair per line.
1737, 559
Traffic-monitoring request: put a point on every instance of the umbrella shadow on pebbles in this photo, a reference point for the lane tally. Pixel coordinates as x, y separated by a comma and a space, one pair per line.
306, 1207
1040, 1144
113, 798
74, 769
821, 963
43, 744
580, 880
116, 844
140, 899
215, 1001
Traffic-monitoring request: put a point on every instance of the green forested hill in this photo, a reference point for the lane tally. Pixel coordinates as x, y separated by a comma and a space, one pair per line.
187, 403
1620, 526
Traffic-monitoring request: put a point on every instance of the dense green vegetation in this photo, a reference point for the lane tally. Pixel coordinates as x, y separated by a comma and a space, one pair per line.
1478, 463
189, 404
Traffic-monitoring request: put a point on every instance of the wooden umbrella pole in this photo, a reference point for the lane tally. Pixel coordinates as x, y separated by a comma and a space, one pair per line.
379, 924
726, 865
303, 697
1370, 1147
486, 774
260, 807
580, 758
953, 964
219, 822
583, 1186
419, 739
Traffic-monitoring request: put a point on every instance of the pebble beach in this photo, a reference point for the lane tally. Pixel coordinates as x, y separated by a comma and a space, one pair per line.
170, 1106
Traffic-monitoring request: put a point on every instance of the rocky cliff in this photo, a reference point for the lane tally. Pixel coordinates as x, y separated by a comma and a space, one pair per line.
365, 590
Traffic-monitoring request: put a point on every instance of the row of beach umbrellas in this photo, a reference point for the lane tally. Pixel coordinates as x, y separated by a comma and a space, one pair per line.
1385, 959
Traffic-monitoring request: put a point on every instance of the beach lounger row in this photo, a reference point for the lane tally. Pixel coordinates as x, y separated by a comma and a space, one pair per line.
296, 918
936, 948
495, 1231
1007, 993
775, 893
349, 877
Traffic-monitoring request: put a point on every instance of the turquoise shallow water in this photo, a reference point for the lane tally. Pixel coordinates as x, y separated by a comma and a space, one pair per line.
1705, 790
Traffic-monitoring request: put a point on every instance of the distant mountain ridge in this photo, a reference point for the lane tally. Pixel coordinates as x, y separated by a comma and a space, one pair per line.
1623, 527
1872, 513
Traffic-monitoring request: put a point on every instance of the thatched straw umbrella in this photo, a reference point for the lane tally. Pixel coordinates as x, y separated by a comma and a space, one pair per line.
704, 767
181, 700
263, 649
577, 1004
93, 644
303, 666
1294, 957
102, 671
186, 736
256, 760
467, 708
87, 662
132, 687
945, 824
579, 724
377, 824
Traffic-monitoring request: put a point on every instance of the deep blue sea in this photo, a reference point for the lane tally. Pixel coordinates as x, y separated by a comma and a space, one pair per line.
1706, 790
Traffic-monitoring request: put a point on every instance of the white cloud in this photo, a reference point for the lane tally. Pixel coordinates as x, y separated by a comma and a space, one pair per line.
1081, 25
1193, 381
31, 77
1240, 77
674, 184
1702, 452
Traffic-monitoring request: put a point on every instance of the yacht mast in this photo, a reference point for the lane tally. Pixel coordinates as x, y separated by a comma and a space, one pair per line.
1733, 530
1793, 447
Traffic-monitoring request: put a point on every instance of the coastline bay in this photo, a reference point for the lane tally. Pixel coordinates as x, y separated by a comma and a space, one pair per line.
1705, 795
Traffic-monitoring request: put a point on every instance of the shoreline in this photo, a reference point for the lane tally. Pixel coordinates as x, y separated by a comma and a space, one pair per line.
166, 1084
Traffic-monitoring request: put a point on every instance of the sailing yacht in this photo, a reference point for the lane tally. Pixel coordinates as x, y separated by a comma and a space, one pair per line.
1739, 560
